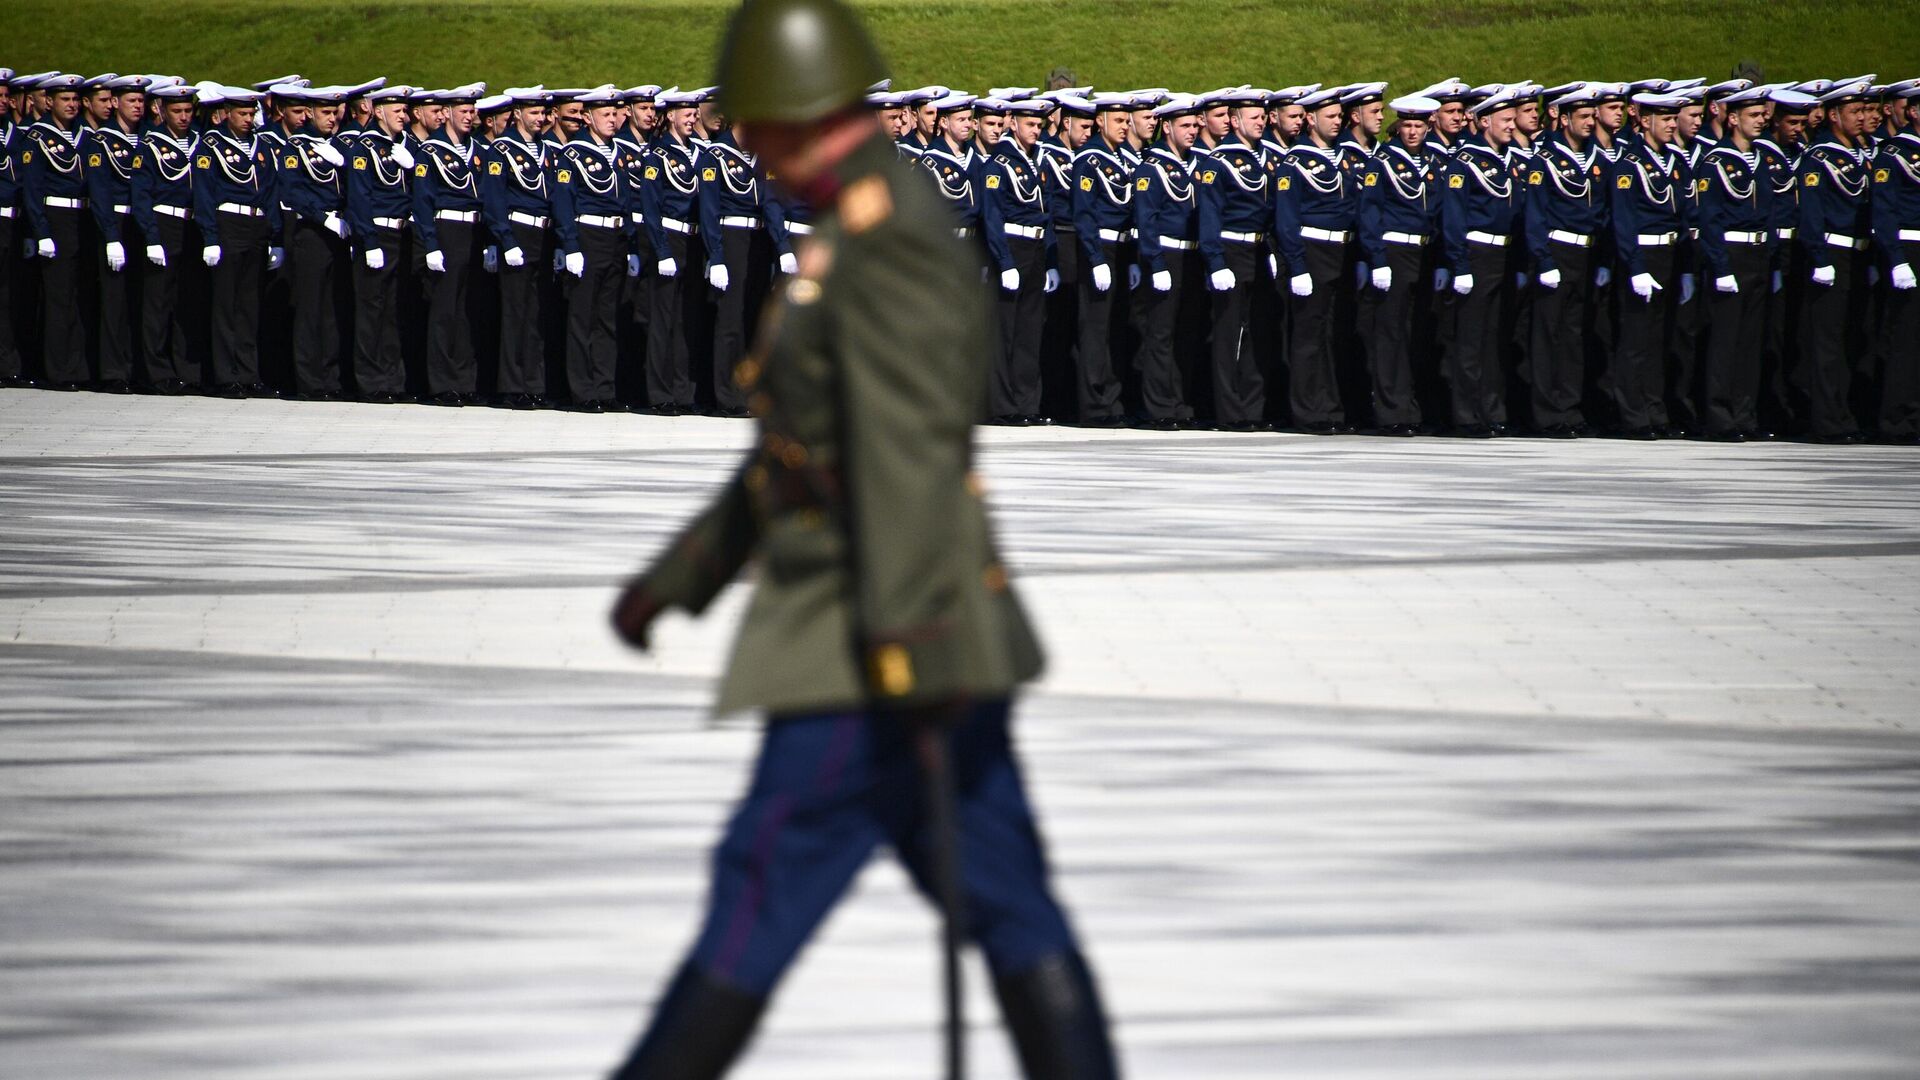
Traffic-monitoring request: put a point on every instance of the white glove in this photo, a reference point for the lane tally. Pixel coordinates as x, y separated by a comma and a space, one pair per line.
46, 248
276, 258
1010, 280
437, 261
1052, 281
210, 254
157, 255
1903, 277
717, 276
1163, 281
633, 266
1688, 283
1601, 277
376, 259
1779, 281
1102, 278
1301, 284
514, 257
668, 268
575, 263
1520, 280
1549, 279
1382, 278
402, 156
1133, 276
116, 256
1726, 283
789, 263
1823, 275
1222, 280
335, 224
1463, 284
490, 259
330, 154
1644, 286
1273, 267
1441, 277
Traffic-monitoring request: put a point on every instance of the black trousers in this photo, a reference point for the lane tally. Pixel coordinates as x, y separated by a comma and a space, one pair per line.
1832, 335
1059, 366
12, 364
749, 258
1684, 408
1635, 379
1015, 387
1780, 406
1900, 359
63, 333
451, 367
236, 285
523, 349
1475, 376
318, 262
674, 304
117, 306
172, 302
593, 301
1386, 325
1557, 337
378, 366
1162, 347
1239, 384
1103, 321
1736, 326
1313, 376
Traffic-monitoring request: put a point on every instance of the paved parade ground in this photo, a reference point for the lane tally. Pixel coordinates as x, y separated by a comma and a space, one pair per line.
1360, 758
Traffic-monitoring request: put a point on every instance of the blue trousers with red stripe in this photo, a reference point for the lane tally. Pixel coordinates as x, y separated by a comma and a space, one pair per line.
830, 787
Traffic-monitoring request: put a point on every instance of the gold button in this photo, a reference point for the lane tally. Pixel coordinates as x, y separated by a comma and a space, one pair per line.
893, 670
803, 291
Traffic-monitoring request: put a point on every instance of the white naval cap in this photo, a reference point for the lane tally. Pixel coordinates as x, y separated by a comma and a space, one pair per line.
1178, 105
1414, 106
953, 101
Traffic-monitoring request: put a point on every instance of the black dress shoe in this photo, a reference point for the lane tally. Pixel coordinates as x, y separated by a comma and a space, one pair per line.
1473, 431
260, 390
1639, 434
732, 414
448, 400
17, 382
228, 390
1584, 430
1847, 438
1321, 427
1036, 420
1401, 431
170, 387
1114, 421
113, 386
1500, 430
387, 397
1165, 423
64, 387
1726, 436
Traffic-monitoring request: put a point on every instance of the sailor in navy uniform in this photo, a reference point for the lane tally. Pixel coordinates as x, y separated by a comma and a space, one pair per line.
446, 215
1399, 202
1017, 226
379, 206
13, 369
1286, 118
1103, 222
956, 166
1649, 218
516, 203
1780, 152
1072, 128
596, 241
1479, 221
1315, 209
1735, 203
1896, 231
1445, 126
635, 140
54, 199
924, 118
1565, 216
740, 226
161, 191
312, 191
237, 206
109, 150
669, 201
1364, 104
1234, 213
1834, 233
1166, 211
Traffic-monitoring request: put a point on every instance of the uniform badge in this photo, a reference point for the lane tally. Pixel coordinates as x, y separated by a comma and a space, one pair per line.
1140, 184
993, 183
203, 162
1534, 177
1812, 179
1207, 177
1623, 183
1701, 184
93, 160
1086, 183
493, 169
707, 174
1880, 176
420, 171
136, 161
1373, 179
292, 162
652, 173
565, 176
360, 164
1456, 181
1286, 184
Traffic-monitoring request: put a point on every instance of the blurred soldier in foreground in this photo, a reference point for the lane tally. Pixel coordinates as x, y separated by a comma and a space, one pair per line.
883, 638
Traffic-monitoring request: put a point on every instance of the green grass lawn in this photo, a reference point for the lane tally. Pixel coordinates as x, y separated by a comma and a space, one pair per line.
1185, 44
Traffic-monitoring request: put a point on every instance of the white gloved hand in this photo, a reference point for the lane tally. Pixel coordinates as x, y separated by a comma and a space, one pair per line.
1779, 281
335, 224
1520, 280
1382, 278
1902, 277
1463, 284
1688, 283
1163, 281
1010, 280
575, 263
490, 259
1726, 283
1823, 275
330, 154
1601, 277
210, 254
1102, 278
1441, 278
157, 255
276, 257
514, 256
1273, 267
1133, 276
1644, 286
375, 259
1549, 279
1052, 281
668, 268
402, 156
437, 261
633, 266
116, 256
1221, 280
717, 276
789, 263
1301, 284
46, 248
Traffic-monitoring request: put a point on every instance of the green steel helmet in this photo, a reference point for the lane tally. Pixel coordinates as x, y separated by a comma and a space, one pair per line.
794, 61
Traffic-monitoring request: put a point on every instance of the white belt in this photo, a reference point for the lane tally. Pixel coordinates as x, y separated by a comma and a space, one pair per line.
799, 228
741, 222
538, 221
1111, 236
1744, 237
1487, 238
1407, 238
1328, 235
671, 225
122, 208
1909, 234
962, 233
1838, 240
65, 203
1656, 239
241, 209
1784, 234
1240, 237
1026, 232
465, 216
1573, 238
6, 211
1171, 244
180, 212
602, 221
389, 223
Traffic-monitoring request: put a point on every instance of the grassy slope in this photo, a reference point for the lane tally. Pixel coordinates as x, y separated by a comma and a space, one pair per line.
1188, 44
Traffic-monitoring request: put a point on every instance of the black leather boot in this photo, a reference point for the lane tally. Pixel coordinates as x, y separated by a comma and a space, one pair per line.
1053, 1012
699, 1029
